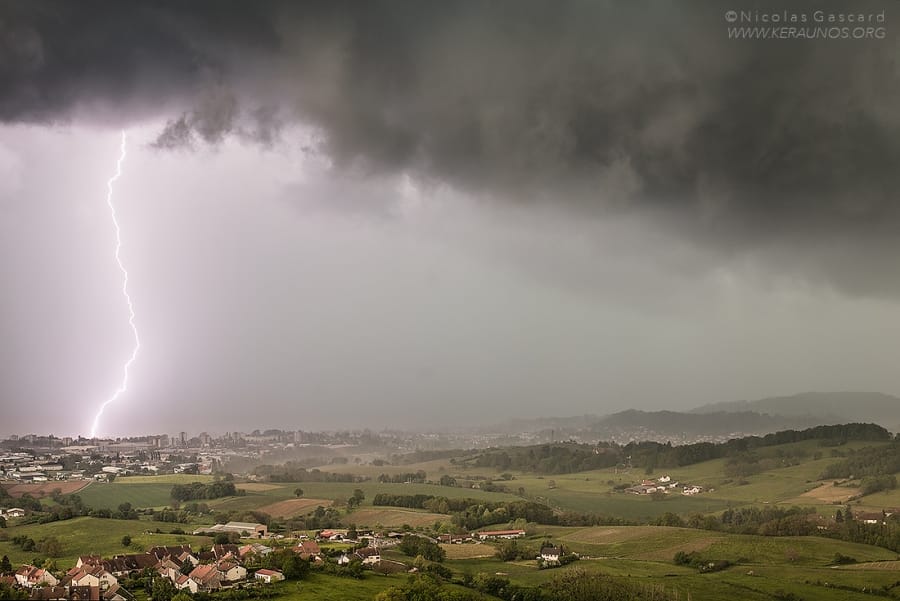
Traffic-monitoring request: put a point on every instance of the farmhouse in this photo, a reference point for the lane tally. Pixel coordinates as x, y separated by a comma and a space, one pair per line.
269, 576
369, 555
491, 534
551, 553
242, 528
870, 518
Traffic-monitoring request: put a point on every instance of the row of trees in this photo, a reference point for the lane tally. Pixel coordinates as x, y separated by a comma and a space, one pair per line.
196, 491
417, 477
294, 472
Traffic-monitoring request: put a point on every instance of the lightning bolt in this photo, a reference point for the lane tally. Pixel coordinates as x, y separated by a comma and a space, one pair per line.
137, 341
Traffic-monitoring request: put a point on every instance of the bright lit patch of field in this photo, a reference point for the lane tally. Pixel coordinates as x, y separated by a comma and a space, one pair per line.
390, 517
165, 479
44, 489
828, 493
634, 541
293, 507
258, 486
893, 566
468, 551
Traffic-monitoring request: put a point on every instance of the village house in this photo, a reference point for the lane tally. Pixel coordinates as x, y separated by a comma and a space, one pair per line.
308, 549
183, 582
551, 554
369, 555
206, 577
254, 549
870, 517
90, 575
269, 576
29, 576
231, 571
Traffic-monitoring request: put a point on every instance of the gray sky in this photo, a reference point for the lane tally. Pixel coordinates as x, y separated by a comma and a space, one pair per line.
442, 215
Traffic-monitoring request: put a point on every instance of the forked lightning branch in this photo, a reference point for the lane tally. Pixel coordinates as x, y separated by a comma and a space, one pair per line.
123, 386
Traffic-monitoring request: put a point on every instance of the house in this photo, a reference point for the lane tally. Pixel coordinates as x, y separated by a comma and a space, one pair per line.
269, 576
551, 553
332, 535
183, 582
91, 560
507, 534
692, 490
870, 517
368, 555
30, 576
172, 552
253, 549
90, 575
664, 479
226, 551
206, 577
231, 571
14, 512
307, 549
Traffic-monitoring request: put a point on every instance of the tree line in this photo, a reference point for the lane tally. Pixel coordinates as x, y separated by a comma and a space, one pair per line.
569, 457
196, 491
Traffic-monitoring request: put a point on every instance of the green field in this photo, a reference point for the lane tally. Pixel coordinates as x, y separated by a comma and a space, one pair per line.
644, 554
84, 536
343, 490
100, 495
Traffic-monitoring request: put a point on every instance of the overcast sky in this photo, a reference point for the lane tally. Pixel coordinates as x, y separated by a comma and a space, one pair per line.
343, 215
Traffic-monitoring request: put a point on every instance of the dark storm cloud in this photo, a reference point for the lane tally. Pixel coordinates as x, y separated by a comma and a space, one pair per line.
777, 147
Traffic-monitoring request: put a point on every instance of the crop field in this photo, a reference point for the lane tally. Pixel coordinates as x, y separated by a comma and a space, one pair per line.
44, 489
293, 507
169, 479
394, 518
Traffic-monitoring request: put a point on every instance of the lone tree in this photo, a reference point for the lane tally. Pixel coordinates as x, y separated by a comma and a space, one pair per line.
298, 492
126, 541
